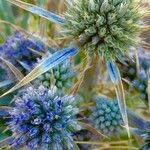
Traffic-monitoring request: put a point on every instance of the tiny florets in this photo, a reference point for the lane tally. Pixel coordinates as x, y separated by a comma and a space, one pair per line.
43, 119
62, 75
108, 27
106, 116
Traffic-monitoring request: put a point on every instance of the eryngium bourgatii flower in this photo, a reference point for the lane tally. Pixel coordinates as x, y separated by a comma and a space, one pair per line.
108, 27
43, 119
106, 116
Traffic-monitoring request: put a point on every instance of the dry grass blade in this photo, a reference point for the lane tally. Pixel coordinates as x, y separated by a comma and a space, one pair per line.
93, 130
15, 71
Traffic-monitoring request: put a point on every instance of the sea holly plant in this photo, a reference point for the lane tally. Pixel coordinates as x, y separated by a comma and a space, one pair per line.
106, 29
42, 118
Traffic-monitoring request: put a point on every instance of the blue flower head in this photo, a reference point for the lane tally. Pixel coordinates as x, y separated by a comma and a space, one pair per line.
62, 75
106, 116
43, 119
21, 50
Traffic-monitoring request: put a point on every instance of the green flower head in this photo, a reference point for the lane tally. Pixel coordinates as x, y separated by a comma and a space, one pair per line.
106, 27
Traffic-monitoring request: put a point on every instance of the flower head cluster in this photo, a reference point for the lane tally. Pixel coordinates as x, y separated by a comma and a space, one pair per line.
62, 74
106, 116
22, 51
108, 27
43, 119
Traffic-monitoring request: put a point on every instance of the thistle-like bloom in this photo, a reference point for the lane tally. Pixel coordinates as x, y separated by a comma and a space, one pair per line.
62, 75
107, 27
106, 116
22, 51
43, 119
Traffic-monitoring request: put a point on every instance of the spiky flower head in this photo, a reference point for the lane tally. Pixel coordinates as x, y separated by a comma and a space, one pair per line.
106, 116
108, 27
43, 119
22, 51
62, 76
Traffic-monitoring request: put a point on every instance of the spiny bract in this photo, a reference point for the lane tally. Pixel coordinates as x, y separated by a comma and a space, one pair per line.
63, 75
43, 119
108, 27
106, 116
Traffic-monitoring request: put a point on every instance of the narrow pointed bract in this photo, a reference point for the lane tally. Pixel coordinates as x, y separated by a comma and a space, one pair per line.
116, 79
113, 71
39, 11
44, 66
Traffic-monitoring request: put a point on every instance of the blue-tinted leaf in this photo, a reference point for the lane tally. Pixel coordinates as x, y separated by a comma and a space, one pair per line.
38, 11
44, 66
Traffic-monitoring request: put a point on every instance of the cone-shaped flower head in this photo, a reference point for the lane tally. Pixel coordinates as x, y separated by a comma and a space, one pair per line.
43, 119
106, 116
22, 51
108, 27
62, 75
